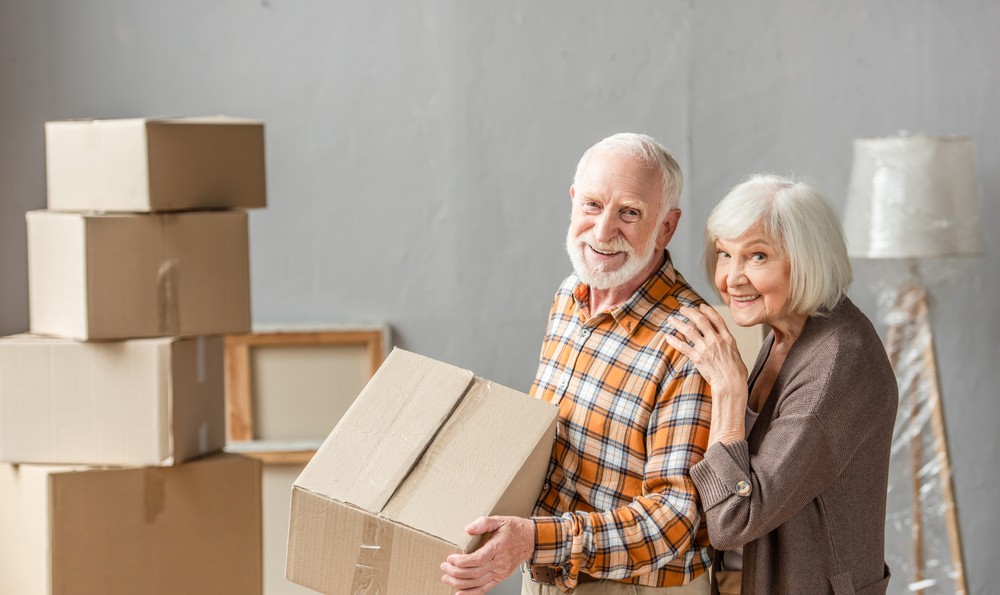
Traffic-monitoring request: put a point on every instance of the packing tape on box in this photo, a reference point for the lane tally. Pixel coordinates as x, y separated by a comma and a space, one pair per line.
199, 350
371, 572
166, 283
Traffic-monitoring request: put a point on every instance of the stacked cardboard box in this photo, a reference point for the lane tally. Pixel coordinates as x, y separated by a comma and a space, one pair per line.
112, 409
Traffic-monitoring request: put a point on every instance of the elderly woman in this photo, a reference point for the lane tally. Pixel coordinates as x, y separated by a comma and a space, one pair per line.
793, 483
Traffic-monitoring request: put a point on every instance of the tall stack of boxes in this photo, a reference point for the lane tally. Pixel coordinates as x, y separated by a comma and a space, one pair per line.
112, 409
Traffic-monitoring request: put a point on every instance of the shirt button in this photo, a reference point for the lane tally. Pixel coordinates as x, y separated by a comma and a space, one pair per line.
564, 383
584, 332
545, 487
743, 488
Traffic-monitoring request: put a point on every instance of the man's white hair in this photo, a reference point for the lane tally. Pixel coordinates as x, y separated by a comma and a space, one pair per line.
650, 153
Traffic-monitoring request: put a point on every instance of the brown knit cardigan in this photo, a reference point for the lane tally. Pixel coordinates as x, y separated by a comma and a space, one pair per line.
816, 461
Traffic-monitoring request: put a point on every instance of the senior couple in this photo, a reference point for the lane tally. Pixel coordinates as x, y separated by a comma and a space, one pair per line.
676, 470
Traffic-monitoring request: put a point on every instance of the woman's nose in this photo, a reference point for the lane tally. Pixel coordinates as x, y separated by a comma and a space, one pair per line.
736, 276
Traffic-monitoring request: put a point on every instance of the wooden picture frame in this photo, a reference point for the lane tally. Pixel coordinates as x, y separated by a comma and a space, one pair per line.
240, 403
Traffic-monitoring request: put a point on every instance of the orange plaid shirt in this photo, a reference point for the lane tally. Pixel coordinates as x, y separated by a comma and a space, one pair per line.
634, 416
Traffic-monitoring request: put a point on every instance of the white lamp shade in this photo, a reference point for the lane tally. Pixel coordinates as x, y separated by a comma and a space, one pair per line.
913, 197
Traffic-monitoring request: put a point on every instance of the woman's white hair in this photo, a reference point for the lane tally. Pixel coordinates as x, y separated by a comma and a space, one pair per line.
799, 217
651, 154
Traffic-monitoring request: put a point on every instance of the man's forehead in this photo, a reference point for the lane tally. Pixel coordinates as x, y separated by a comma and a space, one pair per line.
637, 184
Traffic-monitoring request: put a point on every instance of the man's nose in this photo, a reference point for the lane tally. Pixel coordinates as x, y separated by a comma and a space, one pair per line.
605, 228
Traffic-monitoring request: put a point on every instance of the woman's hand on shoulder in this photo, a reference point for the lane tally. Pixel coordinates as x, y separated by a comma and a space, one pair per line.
706, 341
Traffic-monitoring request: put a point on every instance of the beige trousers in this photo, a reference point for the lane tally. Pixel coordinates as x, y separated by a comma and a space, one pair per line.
699, 586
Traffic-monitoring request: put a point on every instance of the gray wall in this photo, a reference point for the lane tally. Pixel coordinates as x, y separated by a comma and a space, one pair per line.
419, 153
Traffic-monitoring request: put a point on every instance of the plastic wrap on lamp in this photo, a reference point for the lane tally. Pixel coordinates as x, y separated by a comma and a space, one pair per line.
913, 197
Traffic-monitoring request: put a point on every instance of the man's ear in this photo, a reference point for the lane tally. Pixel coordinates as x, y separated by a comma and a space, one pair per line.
667, 228
572, 192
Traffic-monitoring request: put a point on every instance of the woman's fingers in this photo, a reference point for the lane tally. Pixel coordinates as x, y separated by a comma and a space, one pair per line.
684, 327
714, 317
680, 345
701, 318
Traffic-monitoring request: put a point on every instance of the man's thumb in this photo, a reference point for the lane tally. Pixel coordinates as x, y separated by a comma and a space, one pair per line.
482, 525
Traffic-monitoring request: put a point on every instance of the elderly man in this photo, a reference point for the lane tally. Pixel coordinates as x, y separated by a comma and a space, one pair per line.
618, 512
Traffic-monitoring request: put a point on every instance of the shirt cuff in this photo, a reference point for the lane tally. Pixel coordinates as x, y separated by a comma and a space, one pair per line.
551, 548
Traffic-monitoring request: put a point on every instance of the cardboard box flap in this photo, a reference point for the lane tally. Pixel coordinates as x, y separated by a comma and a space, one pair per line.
386, 431
468, 448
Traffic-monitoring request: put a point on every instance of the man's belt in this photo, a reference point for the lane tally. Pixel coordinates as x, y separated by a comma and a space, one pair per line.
546, 575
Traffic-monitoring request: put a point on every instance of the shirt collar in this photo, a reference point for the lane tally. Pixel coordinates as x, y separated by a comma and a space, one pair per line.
652, 292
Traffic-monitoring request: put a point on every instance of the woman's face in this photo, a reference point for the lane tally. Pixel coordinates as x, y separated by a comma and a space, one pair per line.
753, 275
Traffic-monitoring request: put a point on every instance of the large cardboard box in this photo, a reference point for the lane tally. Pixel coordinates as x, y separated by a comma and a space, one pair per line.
166, 164
425, 449
194, 528
119, 276
139, 402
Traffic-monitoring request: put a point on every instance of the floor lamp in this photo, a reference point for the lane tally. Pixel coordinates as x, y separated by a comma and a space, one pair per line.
914, 198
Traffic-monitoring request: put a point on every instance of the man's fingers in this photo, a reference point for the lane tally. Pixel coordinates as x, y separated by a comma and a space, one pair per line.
482, 525
463, 572
474, 560
476, 581
480, 590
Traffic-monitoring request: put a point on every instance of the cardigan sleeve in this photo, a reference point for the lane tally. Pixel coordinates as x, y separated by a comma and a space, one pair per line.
821, 418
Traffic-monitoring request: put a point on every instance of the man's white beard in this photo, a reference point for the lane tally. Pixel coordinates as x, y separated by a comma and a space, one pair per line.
603, 279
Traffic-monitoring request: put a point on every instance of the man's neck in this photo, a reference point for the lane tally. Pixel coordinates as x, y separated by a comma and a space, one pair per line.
605, 300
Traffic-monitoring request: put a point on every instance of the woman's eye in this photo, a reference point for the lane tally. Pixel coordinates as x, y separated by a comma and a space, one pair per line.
758, 257
722, 254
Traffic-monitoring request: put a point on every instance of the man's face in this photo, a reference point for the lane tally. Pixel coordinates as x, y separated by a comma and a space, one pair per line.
616, 230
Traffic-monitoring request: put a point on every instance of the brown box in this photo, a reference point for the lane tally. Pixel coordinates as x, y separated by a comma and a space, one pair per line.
128, 276
138, 402
424, 450
165, 164
194, 528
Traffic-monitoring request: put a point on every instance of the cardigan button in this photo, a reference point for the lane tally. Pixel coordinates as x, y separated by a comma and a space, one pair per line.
743, 488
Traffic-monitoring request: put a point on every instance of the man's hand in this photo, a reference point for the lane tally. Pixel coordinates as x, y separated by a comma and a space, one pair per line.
511, 541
